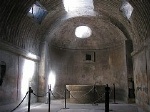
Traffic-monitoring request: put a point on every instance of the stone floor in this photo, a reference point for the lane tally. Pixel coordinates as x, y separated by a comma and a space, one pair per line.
58, 106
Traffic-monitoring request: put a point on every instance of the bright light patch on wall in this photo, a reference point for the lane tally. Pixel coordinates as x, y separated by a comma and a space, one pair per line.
73, 5
28, 72
52, 79
32, 56
127, 9
83, 32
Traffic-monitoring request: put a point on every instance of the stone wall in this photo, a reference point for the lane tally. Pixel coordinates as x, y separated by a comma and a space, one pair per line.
17, 79
107, 66
141, 67
141, 77
8, 90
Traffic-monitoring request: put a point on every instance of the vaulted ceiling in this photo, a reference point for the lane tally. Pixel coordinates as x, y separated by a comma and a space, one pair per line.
107, 22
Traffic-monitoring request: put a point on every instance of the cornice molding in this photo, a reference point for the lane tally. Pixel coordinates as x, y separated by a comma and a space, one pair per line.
18, 51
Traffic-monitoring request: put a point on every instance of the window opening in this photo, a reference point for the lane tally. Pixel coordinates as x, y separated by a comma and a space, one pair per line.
126, 9
74, 5
37, 12
88, 57
83, 32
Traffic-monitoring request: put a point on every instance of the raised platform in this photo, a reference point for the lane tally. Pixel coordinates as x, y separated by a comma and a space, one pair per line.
85, 93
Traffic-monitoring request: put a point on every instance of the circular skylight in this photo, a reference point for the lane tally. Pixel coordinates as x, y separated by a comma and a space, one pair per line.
83, 32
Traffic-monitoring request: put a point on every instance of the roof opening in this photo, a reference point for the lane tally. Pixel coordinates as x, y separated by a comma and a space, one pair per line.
83, 32
73, 5
127, 9
37, 12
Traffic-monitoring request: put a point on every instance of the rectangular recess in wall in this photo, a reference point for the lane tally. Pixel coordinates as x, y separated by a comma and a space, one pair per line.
89, 56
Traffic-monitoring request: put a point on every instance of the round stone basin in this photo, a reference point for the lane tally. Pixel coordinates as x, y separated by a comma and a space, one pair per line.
86, 93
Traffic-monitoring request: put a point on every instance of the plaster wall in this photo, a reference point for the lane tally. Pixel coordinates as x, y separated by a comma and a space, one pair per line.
9, 90
108, 66
141, 77
15, 82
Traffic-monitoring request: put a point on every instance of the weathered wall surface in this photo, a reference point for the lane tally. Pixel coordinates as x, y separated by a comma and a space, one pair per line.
18, 45
108, 67
148, 77
16, 80
8, 90
141, 77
